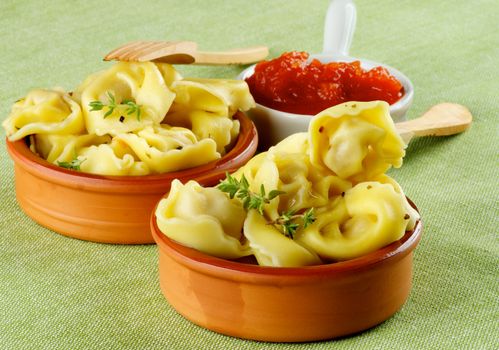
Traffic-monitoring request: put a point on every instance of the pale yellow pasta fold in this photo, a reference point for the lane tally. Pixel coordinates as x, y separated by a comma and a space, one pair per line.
142, 83
357, 141
204, 219
272, 248
413, 214
295, 143
111, 159
304, 185
206, 106
369, 216
44, 112
166, 149
64, 148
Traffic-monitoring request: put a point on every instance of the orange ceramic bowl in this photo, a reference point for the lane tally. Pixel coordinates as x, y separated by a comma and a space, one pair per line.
286, 304
109, 209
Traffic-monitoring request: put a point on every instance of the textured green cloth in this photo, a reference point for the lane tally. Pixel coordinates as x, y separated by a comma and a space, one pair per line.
62, 293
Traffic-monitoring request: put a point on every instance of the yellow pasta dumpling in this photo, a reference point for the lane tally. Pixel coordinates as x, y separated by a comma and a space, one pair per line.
367, 217
304, 186
44, 112
166, 149
413, 214
169, 73
207, 105
109, 159
272, 248
357, 141
295, 143
261, 171
223, 97
64, 148
204, 219
125, 98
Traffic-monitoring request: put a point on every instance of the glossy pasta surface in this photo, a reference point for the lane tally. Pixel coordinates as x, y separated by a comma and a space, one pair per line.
135, 118
335, 201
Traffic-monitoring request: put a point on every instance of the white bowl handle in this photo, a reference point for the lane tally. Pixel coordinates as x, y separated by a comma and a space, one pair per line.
339, 27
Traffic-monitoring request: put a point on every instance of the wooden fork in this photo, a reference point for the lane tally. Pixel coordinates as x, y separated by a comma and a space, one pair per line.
184, 52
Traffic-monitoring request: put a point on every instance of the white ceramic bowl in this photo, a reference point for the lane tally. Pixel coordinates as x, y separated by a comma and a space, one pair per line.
274, 125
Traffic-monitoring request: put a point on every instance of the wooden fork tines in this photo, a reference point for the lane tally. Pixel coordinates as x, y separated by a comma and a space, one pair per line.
141, 51
184, 52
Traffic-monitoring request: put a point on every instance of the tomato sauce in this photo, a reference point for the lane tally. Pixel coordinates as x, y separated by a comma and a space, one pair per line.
291, 84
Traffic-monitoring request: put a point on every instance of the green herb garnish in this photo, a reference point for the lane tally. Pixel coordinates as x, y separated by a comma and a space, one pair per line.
130, 106
252, 200
73, 164
240, 189
288, 221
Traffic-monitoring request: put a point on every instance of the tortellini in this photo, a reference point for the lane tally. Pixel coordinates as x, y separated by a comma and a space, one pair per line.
63, 148
207, 105
139, 82
44, 112
203, 218
332, 200
166, 149
114, 122
272, 248
369, 216
105, 159
356, 141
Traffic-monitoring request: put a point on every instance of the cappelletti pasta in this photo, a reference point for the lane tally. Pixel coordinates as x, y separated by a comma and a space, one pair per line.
135, 118
203, 218
315, 197
207, 105
44, 112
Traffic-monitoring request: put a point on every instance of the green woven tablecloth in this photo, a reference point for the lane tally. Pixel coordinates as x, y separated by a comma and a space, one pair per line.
62, 293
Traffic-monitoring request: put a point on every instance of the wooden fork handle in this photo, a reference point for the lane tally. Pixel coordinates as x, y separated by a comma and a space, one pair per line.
440, 120
235, 56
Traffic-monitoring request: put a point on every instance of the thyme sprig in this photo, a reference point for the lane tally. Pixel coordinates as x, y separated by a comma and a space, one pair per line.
251, 200
240, 189
74, 164
289, 224
130, 106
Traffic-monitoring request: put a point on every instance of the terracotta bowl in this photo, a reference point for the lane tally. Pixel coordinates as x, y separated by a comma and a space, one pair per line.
286, 304
109, 209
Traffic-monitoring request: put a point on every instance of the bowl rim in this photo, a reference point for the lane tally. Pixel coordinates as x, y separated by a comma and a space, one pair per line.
242, 150
398, 107
233, 270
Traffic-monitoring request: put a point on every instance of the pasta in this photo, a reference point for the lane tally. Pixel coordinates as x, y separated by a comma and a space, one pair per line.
105, 159
356, 141
368, 217
315, 197
166, 149
141, 83
207, 105
114, 122
203, 218
44, 112
272, 248
63, 148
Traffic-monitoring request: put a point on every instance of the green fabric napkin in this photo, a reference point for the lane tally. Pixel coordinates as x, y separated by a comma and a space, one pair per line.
61, 293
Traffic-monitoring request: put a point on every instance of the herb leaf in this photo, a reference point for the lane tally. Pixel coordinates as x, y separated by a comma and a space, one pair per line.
287, 221
240, 189
73, 164
130, 106
251, 200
